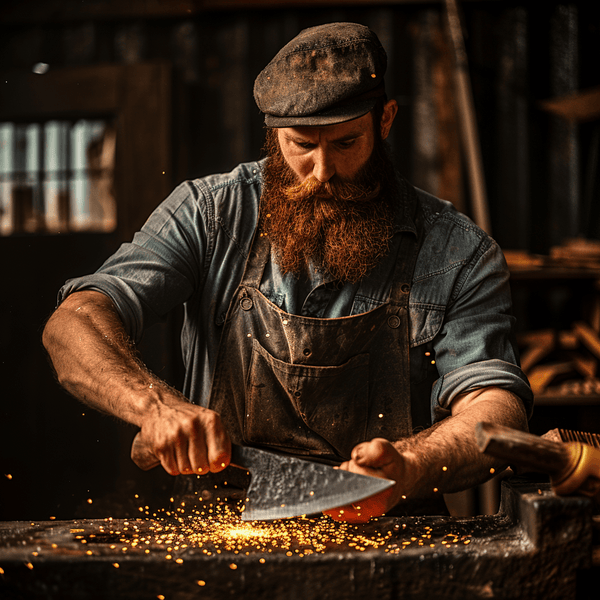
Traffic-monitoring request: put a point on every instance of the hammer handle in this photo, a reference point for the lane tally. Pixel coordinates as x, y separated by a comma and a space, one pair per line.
524, 450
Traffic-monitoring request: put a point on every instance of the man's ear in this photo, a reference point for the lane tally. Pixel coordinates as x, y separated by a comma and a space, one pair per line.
390, 110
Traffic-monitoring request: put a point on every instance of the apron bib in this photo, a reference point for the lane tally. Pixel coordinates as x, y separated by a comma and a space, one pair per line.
310, 386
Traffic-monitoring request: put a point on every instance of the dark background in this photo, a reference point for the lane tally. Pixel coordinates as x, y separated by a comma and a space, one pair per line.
540, 171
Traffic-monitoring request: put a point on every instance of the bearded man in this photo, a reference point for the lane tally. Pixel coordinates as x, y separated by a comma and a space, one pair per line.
332, 310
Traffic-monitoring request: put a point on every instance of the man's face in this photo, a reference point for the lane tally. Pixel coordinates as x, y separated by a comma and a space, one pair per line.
324, 152
327, 197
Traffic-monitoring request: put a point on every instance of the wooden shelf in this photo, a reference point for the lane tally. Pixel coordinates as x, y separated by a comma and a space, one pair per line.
555, 399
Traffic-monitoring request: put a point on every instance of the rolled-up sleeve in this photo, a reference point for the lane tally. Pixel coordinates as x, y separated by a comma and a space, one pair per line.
476, 346
159, 269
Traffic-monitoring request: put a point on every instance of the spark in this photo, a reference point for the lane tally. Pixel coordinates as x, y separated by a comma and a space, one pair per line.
217, 529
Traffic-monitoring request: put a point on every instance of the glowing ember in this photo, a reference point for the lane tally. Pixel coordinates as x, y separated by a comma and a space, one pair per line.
214, 529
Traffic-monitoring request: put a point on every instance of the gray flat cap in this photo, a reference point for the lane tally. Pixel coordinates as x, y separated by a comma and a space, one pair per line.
327, 74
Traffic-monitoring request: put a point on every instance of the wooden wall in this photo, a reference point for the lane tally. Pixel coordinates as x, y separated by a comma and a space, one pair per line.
520, 53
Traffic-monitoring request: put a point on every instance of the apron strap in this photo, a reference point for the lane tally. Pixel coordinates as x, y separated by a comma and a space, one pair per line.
260, 251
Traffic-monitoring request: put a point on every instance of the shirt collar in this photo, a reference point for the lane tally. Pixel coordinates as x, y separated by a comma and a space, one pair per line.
405, 208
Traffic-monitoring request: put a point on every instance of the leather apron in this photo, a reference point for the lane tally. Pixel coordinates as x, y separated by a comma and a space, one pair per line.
310, 386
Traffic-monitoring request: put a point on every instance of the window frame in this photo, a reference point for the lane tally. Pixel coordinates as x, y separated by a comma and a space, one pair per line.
137, 97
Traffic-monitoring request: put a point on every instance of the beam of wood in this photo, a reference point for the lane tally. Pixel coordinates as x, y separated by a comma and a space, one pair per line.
542, 375
39, 11
533, 354
588, 337
585, 365
470, 135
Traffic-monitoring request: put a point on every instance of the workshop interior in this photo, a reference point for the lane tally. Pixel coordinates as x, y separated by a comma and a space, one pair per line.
106, 105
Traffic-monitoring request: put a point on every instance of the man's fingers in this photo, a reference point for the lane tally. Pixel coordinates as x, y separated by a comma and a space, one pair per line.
218, 445
182, 456
188, 439
197, 453
376, 458
168, 461
209, 445
374, 454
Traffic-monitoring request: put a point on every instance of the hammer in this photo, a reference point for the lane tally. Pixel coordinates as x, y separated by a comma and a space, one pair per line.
573, 467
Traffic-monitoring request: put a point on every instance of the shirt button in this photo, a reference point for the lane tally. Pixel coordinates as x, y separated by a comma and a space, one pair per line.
405, 288
307, 352
246, 303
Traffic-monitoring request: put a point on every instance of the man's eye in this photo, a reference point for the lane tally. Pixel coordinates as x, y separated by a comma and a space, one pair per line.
346, 144
305, 145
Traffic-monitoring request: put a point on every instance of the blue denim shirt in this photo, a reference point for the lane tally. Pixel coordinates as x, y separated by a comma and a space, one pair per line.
193, 249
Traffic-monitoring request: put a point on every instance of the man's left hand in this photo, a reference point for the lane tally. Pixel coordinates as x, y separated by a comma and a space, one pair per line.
377, 458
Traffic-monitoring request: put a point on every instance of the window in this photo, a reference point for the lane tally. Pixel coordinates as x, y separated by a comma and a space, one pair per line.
57, 176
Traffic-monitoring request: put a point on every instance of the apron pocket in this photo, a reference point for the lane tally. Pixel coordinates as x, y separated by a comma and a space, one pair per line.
308, 409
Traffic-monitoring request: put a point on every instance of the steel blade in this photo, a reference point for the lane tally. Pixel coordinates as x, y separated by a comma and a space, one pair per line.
283, 486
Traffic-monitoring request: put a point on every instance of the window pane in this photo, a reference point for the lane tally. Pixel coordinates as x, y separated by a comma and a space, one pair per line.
57, 176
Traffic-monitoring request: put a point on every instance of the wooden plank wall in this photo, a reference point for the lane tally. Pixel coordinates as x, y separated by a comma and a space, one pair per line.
519, 54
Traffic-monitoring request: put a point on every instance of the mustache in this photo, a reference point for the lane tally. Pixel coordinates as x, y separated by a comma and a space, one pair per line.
335, 189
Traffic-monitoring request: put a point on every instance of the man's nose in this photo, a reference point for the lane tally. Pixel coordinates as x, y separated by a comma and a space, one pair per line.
323, 167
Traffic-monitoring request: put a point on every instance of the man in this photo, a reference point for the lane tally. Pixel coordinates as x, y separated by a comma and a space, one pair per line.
331, 309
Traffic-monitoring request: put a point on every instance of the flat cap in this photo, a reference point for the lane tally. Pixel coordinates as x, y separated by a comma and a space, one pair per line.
327, 74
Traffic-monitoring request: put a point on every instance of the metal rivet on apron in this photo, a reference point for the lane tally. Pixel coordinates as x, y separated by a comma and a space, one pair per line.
246, 303
394, 321
405, 288
307, 352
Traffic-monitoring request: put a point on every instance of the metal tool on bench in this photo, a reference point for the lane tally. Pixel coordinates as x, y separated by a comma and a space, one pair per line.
573, 466
284, 486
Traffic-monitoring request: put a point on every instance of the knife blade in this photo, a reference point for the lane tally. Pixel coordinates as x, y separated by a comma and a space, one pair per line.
283, 486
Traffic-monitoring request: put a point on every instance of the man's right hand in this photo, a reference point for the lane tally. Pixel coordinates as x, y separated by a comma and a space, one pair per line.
184, 438
96, 362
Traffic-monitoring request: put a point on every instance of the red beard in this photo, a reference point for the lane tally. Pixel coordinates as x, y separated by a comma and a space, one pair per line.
342, 226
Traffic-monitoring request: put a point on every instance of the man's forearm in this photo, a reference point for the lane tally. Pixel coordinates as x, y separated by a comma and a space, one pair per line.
94, 359
445, 458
